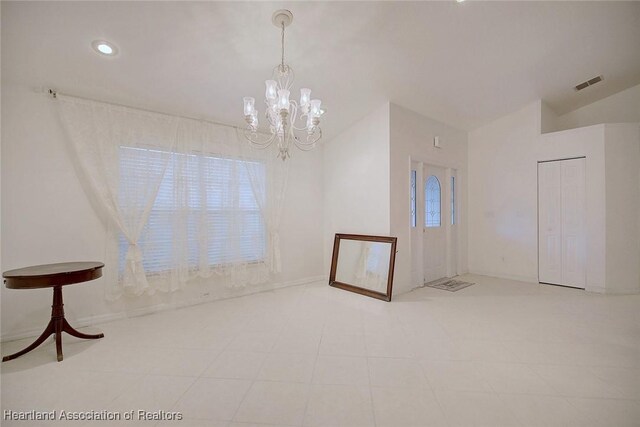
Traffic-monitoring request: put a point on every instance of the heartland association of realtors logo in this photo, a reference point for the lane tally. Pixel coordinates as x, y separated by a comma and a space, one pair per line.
139, 414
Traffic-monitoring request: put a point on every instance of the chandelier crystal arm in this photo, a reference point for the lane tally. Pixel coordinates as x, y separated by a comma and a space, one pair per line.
309, 141
259, 141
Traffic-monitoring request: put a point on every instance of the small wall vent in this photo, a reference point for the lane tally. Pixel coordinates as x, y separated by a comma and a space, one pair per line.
588, 83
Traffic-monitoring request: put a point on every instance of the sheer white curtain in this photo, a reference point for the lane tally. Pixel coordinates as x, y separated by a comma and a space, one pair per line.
187, 198
269, 193
97, 131
217, 218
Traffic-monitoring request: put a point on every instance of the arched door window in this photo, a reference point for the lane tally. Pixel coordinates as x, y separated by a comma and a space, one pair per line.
432, 202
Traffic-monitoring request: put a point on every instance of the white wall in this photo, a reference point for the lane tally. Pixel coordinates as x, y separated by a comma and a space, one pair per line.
502, 190
622, 159
412, 140
356, 180
548, 119
622, 107
502, 196
46, 218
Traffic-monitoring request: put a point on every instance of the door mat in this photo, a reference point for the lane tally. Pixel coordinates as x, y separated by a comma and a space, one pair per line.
450, 285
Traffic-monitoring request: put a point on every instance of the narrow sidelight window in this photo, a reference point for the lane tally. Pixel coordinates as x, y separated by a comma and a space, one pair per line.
413, 198
453, 200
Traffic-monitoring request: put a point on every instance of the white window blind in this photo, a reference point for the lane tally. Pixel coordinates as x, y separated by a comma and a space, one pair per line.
205, 212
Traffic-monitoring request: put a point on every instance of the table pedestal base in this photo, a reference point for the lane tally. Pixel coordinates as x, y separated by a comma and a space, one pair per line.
57, 325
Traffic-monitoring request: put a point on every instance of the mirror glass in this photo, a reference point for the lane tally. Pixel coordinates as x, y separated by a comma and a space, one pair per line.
363, 264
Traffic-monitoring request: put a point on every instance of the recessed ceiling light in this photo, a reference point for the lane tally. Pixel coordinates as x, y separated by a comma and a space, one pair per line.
104, 47
459, 1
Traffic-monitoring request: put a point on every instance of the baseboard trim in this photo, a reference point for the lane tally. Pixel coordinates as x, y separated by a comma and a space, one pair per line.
624, 291
519, 278
142, 311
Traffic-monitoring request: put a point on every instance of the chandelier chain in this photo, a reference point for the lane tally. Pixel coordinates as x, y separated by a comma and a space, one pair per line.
283, 46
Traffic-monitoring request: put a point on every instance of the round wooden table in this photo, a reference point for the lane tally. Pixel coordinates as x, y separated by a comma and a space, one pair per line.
53, 276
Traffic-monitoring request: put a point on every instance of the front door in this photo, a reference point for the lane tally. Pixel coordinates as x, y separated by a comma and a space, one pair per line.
434, 221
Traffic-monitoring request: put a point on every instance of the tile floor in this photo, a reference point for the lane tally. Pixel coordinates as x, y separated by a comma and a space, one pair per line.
499, 353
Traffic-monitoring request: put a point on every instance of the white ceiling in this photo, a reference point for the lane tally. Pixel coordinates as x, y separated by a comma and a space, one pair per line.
462, 63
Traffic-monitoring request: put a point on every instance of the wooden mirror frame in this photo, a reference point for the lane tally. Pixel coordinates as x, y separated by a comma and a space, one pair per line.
349, 287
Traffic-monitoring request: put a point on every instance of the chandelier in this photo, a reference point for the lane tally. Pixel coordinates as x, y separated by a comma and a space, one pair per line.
289, 121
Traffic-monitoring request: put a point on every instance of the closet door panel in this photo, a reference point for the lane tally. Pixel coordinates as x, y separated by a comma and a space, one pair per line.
550, 223
573, 223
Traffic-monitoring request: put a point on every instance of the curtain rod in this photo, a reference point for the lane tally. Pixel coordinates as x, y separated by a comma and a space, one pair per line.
54, 94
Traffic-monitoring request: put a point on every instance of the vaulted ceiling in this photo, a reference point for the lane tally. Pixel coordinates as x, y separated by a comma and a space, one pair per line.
461, 63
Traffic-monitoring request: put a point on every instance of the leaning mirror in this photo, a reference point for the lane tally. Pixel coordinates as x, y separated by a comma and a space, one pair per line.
363, 264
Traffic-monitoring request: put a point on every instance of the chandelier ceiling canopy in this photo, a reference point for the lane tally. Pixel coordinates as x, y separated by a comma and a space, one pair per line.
290, 122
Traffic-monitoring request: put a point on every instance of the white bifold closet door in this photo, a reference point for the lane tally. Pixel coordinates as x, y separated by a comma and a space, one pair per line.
561, 223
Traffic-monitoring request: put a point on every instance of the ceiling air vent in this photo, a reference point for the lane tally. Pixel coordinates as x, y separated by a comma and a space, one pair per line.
588, 83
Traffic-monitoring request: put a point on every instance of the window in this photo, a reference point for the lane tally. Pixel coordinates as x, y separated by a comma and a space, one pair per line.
432, 202
413, 198
453, 200
216, 220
